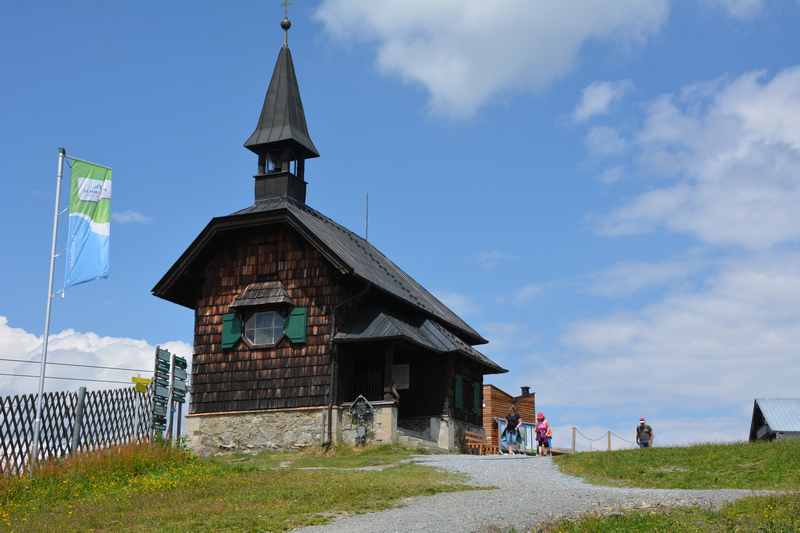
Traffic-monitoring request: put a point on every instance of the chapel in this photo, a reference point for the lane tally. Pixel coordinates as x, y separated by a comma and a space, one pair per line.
296, 318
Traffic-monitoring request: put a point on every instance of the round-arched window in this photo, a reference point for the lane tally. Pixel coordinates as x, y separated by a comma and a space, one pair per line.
264, 328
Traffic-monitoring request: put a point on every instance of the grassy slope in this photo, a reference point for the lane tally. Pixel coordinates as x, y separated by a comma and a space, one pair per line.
157, 489
766, 514
773, 466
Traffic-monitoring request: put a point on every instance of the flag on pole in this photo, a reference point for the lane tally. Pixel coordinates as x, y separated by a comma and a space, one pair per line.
89, 223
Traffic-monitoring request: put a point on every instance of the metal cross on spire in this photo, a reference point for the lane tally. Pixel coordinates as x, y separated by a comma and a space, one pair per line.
286, 23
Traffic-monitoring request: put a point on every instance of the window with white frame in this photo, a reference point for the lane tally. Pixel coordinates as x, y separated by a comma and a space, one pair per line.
264, 328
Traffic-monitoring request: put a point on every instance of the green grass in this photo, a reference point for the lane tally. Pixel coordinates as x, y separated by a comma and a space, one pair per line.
343, 457
152, 488
768, 465
763, 514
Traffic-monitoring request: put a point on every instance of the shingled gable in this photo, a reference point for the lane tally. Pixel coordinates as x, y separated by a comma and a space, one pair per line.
346, 251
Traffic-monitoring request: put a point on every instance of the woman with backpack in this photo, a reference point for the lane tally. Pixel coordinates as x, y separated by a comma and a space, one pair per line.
543, 434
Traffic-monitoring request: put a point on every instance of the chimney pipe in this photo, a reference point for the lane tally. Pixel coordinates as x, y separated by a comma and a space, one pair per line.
526, 391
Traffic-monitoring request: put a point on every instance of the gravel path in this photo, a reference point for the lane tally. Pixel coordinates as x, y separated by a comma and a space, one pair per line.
532, 491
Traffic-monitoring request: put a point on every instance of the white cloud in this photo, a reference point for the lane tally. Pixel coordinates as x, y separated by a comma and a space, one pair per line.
605, 141
130, 217
705, 351
467, 52
612, 175
598, 97
626, 278
71, 346
732, 150
741, 9
458, 302
491, 259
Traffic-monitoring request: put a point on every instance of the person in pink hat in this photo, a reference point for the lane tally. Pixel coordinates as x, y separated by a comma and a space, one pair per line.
644, 434
543, 434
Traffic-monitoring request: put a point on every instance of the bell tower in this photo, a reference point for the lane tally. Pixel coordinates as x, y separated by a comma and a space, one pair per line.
281, 139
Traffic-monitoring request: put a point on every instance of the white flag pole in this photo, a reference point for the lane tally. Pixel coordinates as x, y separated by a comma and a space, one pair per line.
37, 425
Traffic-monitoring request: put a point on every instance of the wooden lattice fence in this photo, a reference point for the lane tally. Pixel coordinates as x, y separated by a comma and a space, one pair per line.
107, 418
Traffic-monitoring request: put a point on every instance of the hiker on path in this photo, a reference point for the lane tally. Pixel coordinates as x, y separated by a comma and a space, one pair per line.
511, 432
543, 434
644, 434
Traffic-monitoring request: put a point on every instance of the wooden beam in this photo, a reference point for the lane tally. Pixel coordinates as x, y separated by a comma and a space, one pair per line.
388, 382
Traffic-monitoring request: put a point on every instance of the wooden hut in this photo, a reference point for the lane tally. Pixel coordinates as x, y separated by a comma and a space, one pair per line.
296, 317
497, 404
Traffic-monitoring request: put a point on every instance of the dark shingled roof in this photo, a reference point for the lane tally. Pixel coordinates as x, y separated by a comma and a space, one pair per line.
282, 124
349, 252
366, 261
424, 332
265, 293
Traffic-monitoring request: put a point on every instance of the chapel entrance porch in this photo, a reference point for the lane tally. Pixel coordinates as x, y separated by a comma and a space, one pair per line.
436, 397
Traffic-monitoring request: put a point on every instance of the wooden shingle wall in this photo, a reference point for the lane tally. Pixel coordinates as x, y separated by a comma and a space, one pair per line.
283, 376
497, 404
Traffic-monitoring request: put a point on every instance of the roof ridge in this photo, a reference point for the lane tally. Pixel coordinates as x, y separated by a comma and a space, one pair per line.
369, 248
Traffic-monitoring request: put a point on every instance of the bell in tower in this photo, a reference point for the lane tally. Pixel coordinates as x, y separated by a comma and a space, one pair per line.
281, 139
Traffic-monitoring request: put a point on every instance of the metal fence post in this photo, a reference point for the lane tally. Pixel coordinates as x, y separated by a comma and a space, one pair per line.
574, 437
77, 425
609, 441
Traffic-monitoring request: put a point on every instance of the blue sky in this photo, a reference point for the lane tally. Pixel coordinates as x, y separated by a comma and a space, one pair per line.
606, 190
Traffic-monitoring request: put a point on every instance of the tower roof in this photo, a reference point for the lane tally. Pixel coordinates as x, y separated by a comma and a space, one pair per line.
282, 128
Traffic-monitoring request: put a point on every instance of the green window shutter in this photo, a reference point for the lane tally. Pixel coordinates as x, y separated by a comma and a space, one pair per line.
296, 325
459, 392
476, 398
231, 330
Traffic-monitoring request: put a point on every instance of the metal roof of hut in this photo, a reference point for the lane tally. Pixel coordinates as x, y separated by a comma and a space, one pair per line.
780, 415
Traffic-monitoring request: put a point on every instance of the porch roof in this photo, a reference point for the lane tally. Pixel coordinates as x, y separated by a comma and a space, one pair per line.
427, 333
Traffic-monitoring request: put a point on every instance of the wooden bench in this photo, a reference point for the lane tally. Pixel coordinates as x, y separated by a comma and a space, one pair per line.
476, 444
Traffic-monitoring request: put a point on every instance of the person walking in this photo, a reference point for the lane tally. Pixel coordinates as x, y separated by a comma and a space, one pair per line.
644, 434
511, 432
543, 434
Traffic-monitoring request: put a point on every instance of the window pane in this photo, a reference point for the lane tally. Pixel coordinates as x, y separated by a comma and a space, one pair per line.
264, 328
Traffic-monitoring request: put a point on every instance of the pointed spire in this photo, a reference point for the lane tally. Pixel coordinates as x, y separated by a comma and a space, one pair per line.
282, 131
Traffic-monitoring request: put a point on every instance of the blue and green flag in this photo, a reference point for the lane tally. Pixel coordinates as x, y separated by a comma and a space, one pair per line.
89, 223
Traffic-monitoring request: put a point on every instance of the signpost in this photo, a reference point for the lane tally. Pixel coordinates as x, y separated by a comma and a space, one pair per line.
169, 388
161, 390
178, 388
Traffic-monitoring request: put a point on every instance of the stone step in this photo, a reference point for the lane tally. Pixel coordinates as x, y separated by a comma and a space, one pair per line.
413, 433
410, 441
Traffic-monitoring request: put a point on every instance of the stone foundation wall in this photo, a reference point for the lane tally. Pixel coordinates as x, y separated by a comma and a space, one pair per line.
292, 429
383, 429
288, 429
